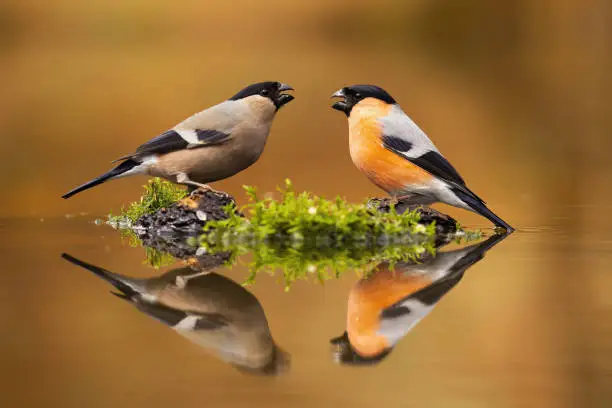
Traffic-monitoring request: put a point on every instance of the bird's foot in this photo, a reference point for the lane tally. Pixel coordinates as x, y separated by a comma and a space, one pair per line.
206, 187
183, 178
404, 199
181, 281
191, 187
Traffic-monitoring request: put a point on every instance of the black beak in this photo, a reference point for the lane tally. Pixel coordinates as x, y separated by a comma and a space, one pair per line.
285, 87
283, 99
342, 106
343, 353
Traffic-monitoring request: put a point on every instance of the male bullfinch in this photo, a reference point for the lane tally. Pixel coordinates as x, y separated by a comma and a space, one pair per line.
208, 309
384, 306
396, 155
209, 146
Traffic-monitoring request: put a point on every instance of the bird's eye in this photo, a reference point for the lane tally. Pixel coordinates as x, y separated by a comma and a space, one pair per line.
264, 92
358, 95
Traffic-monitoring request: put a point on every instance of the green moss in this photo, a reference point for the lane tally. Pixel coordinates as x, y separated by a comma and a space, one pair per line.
300, 234
153, 257
320, 263
310, 237
302, 216
158, 194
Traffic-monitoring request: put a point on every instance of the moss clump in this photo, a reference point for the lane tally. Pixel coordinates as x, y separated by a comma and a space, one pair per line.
320, 263
305, 236
308, 237
154, 257
158, 194
303, 217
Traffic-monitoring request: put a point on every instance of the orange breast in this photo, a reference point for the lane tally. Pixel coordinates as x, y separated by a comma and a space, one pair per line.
369, 298
384, 168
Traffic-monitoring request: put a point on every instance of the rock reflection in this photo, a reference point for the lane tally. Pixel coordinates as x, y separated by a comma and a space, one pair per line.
384, 306
208, 309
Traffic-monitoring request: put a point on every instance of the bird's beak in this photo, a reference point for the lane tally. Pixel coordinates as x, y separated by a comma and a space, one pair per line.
338, 94
342, 106
285, 87
283, 99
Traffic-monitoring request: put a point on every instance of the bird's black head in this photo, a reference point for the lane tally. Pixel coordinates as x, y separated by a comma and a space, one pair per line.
344, 353
352, 95
269, 89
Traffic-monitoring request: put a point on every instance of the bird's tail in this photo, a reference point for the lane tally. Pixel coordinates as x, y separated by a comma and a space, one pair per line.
128, 287
115, 172
476, 252
480, 207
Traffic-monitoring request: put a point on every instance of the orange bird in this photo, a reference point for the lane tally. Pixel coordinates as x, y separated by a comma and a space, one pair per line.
386, 305
397, 156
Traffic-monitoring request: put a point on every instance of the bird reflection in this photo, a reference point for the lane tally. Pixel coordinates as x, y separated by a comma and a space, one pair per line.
384, 306
208, 309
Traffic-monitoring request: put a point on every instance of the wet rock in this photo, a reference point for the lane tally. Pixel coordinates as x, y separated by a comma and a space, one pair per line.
445, 224
186, 216
169, 229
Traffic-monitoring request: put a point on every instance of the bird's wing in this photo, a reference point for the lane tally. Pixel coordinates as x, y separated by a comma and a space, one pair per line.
202, 321
166, 315
403, 137
167, 142
181, 319
398, 319
212, 126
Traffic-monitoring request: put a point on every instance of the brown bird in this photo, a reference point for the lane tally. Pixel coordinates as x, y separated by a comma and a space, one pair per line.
397, 156
209, 146
387, 304
209, 309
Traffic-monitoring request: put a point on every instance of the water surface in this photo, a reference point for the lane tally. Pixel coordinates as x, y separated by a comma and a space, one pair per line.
527, 325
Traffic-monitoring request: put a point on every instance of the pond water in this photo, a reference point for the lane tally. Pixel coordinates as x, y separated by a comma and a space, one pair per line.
528, 324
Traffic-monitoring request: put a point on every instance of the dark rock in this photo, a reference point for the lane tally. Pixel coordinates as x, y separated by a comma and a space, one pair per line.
445, 225
170, 229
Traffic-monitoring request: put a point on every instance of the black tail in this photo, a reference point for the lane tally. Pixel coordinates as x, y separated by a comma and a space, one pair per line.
477, 251
120, 169
114, 279
480, 207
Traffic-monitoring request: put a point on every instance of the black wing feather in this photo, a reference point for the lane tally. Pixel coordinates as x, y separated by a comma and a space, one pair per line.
167, 142
210, 136
396, 144
210, 321
432, 162
437, 165
161, 313
171, 141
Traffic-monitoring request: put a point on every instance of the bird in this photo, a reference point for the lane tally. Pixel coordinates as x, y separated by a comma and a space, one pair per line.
386, 305
211, 145
397, 156
206, 308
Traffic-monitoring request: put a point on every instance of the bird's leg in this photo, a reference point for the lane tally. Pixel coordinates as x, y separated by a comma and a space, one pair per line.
181, 281
412, 199
396, 199
183, 178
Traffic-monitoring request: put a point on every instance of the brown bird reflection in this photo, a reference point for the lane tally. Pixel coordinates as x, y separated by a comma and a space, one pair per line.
209, 309
384, 306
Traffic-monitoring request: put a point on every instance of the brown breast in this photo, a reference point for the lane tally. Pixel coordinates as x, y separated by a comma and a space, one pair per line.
217, 162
